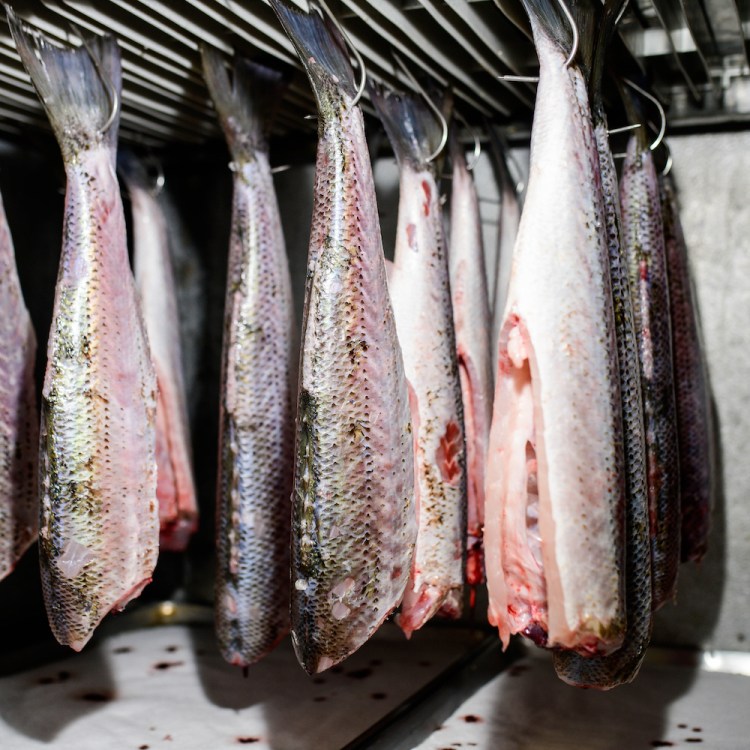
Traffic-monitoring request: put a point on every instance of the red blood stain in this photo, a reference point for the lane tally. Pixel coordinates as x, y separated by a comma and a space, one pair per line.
472, 719
448, 453
427, 197
643, 268
411, 236
474, 564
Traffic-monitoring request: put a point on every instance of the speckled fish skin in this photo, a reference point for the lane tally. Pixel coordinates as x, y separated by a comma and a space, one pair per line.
354, 521
692, 392
554, 521
471, 316
99, 528
175, 488
622, 666
419, 283
256, 427
643, 241
19, 418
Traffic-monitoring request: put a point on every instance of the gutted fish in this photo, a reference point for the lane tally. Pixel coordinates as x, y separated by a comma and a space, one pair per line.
256, 427
99, 528
420, 290
471, 316
175, 489
692, 392
509, 218
19, 419
606, 672
643, 242
354, 521
554, 520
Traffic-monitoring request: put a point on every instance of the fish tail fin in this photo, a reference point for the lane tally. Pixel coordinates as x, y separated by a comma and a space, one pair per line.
247, 104
321, 49
79, 86
413, 130
605, 31
549, 16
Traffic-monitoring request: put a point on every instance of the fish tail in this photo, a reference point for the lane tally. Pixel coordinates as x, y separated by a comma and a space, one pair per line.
549, 17
321, 49
604, 33
79, 86
413, 130
247, 104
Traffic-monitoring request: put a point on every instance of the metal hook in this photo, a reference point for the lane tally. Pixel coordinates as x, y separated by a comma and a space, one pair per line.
475, 136
281, 168
621, 13
657, 103
354, 50
571, 56
160, 179
624, 128
428, 99
112, 95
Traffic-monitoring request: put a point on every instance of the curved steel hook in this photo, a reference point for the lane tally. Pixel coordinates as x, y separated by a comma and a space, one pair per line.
160, 179
428, 99
112, 95
574, 28
354, 51
657, 103
475, 136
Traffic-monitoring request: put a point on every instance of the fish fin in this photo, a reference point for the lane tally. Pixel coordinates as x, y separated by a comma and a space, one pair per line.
413, 130
549, 16
605, 31
79, 86
321, 48
247, 104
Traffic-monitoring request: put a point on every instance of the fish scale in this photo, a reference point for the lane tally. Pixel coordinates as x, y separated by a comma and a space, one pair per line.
692, 393
353, 522
19, 420
643, 241
99, 525
256, 414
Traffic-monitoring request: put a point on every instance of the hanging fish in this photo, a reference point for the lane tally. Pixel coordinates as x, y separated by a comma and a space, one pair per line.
421, 295
643, 242
509, 218
606, 672
554, 521
354, 523
99, 529
19, 419
154, 278
471, 315
256, 427
692, 392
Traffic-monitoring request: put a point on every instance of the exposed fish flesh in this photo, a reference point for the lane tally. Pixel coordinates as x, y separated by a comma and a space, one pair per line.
692, 392
471, 315
354, 521
154, 278
421, 295
256, 428
99, 528
606, 672
643, 241
19, 418
554, 521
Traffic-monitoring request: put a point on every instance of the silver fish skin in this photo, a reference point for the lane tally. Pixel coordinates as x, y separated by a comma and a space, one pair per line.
99, 527
622, 666
256, 427
471, 315
510, 217
695, 430
175, 488
19, 418
643, 241
354, 519
419, 283
554, 520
